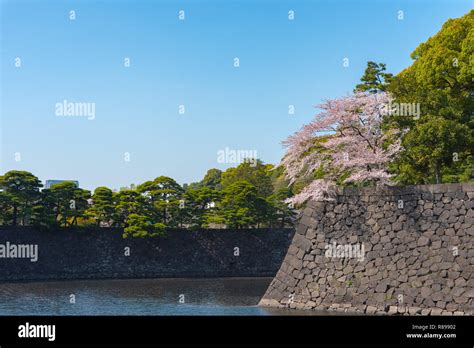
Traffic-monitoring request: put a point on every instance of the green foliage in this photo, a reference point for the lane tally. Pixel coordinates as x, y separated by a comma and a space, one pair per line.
103, 208
67, 201
441, 81
282, 213
241, 205
199, 206
375, 79
128, 202
255, 173
20, 194
139, 226
154, 205
42, 216
162, 197
431, 146
212, 179
6, 211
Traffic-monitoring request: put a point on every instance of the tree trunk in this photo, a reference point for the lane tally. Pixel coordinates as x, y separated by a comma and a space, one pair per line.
437, 172
23, 217
15, 213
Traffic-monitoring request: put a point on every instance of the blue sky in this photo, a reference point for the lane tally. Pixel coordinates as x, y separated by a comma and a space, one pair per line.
188, 63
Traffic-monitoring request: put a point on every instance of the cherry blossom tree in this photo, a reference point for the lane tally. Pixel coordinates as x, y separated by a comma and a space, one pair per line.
346, 143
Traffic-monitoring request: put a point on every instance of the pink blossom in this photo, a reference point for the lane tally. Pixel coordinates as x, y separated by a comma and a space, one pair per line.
354, 145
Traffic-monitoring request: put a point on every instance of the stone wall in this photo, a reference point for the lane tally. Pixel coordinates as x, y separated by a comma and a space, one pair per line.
419, 253
102, 253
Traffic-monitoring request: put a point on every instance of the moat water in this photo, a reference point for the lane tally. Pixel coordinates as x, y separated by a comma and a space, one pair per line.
219, 296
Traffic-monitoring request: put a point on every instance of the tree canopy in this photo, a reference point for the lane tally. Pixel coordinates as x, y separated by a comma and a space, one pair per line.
413, 128
245, 197
375, 79
438, 145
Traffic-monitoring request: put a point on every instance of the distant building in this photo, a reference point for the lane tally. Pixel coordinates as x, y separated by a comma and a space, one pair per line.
50, 183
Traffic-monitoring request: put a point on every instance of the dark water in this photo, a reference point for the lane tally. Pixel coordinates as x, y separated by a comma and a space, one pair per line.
222, 296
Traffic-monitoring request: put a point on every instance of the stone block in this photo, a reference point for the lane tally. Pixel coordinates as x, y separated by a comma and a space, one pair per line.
302, 242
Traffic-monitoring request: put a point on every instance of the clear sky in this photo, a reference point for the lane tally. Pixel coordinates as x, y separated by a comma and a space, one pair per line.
173, 62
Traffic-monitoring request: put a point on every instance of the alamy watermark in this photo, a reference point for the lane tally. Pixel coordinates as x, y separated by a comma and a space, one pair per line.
19, 251
75, 109
237, 156
402, 109
350, 251
28, 330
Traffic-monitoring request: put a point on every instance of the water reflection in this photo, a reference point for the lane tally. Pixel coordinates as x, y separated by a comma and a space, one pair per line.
220, 296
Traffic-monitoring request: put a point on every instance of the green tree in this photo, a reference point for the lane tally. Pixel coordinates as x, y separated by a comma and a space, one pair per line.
21, 192
67, 201
432, 144
241, 206
199, 206
212, 179
283, 213
255, 173
441, 81
129, 202
375, 79
43, 217
6, 204
103, 206
139, 226
163, 196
